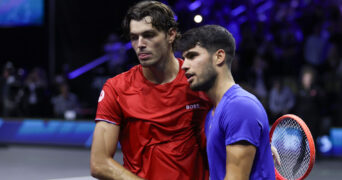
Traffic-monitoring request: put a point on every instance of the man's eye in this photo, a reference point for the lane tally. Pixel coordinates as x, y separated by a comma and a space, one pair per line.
191, 56
149, 35
133, 38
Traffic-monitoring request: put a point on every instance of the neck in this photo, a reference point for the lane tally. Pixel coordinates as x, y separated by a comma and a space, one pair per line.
222, 83
164, 71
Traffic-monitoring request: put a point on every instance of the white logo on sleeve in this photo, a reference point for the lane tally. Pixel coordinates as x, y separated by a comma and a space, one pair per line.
102, 95
192, 106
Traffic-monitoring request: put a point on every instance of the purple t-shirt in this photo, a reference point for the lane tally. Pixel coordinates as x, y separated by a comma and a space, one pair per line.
239, 116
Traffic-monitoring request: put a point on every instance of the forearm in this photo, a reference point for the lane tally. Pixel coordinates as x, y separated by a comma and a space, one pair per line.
102, 164
236, 176
237, 172
240, 157
111, 170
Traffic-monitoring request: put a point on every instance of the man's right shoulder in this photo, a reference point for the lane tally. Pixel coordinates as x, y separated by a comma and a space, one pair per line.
124, 78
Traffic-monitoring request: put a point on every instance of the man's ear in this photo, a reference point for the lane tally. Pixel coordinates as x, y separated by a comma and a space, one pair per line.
220, 56
172, 35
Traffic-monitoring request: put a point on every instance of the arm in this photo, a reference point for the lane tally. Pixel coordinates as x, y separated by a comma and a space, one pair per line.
103, 148
240, 157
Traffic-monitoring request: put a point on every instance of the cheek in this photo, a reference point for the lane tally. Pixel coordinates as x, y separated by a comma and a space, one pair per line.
201, 65
198, 69
160, 45
205, 69
134, 46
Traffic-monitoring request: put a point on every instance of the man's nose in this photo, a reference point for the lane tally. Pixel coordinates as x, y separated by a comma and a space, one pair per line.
141, 42
185, 65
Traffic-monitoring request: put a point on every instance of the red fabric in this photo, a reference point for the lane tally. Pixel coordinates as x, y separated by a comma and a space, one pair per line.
161, 133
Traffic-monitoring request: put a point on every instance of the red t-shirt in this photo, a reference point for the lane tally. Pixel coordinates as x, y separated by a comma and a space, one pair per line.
161, 125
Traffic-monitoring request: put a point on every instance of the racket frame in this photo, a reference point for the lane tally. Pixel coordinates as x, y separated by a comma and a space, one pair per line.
310, 141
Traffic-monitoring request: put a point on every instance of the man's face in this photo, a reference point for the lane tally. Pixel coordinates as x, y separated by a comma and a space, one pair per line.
199, 68
149, 44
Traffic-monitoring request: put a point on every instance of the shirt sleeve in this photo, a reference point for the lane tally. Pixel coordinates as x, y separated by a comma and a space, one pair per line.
108, 108
240, 121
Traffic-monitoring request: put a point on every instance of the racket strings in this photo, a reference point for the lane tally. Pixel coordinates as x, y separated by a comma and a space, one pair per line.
293, 147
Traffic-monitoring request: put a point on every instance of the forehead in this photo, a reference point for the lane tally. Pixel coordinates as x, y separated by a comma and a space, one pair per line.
145, 24
197, 49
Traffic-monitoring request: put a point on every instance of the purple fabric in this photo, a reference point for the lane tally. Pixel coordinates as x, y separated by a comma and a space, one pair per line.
239, 116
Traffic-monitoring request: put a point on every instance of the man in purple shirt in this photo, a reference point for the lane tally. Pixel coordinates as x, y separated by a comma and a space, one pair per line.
237, 127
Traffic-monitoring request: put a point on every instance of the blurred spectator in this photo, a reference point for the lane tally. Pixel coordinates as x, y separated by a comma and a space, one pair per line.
332, 82
35, 98
11, 92
308, 100
65, 104
281, 100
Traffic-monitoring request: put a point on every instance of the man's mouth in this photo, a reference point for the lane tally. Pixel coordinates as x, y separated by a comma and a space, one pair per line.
143, 56
190, 77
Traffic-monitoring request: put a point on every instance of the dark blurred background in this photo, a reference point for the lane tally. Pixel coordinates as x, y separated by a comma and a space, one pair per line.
56, 55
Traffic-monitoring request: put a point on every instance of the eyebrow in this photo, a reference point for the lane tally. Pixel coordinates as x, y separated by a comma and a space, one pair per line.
144, 32
190, 54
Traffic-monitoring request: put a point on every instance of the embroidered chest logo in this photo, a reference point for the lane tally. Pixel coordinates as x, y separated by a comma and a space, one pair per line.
192, 106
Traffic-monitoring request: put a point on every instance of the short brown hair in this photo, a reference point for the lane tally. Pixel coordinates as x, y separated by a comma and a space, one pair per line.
210, 37
163, 18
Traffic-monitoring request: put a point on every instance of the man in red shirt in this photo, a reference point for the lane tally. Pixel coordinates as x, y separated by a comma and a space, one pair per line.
150, 109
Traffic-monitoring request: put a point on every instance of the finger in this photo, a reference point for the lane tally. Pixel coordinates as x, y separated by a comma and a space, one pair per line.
275, 155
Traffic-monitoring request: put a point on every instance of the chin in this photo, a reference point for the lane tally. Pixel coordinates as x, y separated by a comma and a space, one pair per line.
148, 63
195, 87
201, 87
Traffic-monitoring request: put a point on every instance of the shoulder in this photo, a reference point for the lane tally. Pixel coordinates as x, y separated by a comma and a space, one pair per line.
243, 112
238, 96
124, 79
241, 103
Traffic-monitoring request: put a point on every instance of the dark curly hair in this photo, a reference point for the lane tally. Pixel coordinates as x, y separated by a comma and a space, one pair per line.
162, 16
210, 37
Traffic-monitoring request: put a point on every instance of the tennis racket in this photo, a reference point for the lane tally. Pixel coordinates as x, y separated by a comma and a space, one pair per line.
295, 145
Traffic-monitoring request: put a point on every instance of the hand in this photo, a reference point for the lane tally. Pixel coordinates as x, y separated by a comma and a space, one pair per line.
275, 155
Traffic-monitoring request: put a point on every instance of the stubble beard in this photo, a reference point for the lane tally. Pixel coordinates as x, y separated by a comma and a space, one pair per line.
206, 81
148, 63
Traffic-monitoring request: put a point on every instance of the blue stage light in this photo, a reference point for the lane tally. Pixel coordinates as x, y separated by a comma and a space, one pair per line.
87, 67
237, 11
264, 7
193, 6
